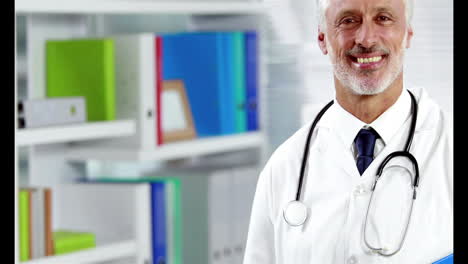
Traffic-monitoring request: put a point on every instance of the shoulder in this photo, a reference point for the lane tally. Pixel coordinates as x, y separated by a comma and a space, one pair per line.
293, 147
434, 129
430, 115
290, 152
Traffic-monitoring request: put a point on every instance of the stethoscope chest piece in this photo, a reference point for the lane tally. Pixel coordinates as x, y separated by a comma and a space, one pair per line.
295, 213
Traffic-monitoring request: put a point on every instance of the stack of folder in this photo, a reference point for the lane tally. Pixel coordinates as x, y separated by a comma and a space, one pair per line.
36, 238
199, 214
219, 70
121, 77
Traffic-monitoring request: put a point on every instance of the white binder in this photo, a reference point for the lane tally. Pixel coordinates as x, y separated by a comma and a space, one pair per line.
142, 218
38, 225
236, 201
40, 222
243, 185
219, 218
47, 112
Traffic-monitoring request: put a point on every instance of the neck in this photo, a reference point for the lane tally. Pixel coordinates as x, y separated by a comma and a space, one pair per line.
367, 108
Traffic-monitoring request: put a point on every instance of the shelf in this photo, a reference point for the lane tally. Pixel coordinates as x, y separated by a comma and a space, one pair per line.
74, 132
138, 7
21, 66
176, 150
101, 253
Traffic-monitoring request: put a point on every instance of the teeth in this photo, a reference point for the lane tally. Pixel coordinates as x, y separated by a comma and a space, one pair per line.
367, 60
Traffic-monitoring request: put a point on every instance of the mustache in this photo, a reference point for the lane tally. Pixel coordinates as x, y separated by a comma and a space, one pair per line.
356, 50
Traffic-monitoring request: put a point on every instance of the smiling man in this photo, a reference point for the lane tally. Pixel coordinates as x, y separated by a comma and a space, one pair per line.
370, 178
366, 41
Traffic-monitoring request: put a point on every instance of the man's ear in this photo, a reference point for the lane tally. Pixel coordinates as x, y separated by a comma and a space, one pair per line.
409, 36
322, 42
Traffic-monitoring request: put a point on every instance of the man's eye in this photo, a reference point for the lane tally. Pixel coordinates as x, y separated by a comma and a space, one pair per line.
348, 21
383, 18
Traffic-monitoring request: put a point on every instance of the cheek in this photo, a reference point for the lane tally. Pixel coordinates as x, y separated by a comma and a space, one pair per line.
343, 42
394, 39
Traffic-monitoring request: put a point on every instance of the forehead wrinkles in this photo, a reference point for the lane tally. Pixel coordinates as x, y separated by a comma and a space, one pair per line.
346, 6
323, 5
375, 9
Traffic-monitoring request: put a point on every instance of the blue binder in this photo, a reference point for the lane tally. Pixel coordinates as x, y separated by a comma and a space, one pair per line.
198, 58
158, 221
446, 260
227, 73
251, 76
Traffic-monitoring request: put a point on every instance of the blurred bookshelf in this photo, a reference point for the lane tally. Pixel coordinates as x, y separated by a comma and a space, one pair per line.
139, 7
21, 66
172, 151
54, 152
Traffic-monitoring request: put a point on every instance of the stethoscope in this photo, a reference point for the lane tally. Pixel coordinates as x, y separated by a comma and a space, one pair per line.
295, 212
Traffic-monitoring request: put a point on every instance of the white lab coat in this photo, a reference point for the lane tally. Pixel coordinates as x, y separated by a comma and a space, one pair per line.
337, 198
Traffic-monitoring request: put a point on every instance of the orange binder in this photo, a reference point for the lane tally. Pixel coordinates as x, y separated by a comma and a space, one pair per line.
48, 222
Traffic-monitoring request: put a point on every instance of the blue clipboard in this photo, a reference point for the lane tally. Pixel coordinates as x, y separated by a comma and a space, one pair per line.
445, 260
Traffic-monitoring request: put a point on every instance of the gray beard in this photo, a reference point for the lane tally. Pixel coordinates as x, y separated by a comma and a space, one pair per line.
360, 86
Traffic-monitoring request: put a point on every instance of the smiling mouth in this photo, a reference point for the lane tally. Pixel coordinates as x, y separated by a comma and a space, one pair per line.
368, 61
371, 59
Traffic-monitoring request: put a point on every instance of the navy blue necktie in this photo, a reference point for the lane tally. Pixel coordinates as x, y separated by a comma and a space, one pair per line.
365, 142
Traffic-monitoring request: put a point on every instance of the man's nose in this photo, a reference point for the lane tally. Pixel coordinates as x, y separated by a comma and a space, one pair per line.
366, 35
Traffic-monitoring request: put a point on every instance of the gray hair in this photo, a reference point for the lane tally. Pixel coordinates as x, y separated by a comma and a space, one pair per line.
322, 6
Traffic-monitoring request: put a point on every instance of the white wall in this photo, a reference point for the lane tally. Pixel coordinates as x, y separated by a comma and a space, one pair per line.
429, 60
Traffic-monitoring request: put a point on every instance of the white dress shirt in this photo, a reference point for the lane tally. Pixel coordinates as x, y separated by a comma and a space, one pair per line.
337, 196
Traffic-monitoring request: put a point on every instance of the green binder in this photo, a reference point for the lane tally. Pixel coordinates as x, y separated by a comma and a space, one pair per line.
239, 82
177, 221
66, 241
194, 206
83, 67
24, 225
173, 221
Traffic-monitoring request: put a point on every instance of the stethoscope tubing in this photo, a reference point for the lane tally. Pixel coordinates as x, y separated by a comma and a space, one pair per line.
306, 148
379, 250
409, 141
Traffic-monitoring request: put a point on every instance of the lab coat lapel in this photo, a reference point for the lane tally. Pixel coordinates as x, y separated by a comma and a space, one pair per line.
340, 156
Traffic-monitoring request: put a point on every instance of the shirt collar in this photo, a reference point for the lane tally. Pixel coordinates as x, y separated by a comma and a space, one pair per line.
346, 126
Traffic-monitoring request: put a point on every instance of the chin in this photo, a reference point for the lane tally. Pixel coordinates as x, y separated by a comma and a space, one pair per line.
360, 86
366, 85
365, 89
